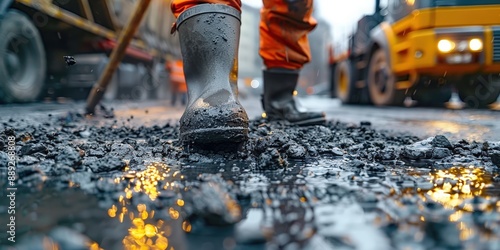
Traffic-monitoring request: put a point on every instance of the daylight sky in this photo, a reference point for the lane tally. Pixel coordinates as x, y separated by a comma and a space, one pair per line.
341, 14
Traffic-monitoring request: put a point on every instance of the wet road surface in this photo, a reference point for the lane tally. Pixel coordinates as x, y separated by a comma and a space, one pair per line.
455, 123
126, 182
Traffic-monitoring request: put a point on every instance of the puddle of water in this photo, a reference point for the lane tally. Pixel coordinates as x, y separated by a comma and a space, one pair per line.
318, 205
150, 228
51, 218
458, 207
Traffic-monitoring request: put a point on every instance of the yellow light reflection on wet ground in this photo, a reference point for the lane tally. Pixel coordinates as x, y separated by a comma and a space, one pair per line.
455, 189
147, 232
144, 235
186, 226
180, 203
454, 186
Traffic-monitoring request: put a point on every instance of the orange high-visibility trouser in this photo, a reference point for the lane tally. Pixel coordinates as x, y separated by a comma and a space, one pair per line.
284, 27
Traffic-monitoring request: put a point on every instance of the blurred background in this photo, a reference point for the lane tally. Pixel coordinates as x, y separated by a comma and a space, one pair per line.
35, 68
55, 50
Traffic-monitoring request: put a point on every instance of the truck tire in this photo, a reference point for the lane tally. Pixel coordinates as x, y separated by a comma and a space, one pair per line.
22, 59
433, 95
382, 82
480, 92
344, 85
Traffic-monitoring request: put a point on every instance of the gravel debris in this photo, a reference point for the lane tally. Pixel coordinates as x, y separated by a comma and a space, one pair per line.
330, 186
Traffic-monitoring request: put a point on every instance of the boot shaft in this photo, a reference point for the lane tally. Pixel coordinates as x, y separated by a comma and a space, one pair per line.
278, 99
209, 38
279, 85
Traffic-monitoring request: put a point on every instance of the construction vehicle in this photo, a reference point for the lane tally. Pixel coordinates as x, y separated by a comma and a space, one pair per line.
424, 50
37, 35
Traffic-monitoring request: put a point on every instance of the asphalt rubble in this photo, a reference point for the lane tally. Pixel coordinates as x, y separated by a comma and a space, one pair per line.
89, 185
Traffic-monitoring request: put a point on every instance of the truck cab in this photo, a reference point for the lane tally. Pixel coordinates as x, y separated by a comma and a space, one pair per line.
422, 49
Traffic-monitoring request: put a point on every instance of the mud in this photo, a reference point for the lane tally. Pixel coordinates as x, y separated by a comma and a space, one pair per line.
86, 183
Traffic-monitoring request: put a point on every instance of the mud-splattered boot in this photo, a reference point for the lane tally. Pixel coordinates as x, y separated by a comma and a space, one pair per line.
278, 100
209, 36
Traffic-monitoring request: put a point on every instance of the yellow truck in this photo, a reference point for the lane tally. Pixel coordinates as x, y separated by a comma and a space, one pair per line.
422, 49
36, 35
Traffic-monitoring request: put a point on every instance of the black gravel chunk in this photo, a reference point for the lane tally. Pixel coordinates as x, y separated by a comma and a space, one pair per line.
440, 141
495, 158
272, 159
10, 131
27, 171
336, 151
416, 153
356, 164
388, 154
476, 151
295, 151
213, 202
104, 165
121, 150
96, 152
27, 160
440, 153
346, 142
30, 149
365, 123
68, 156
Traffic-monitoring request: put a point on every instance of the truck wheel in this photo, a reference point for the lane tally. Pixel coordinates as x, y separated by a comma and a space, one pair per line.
381, 82
344, 86
433, 96
22, 59
480, 92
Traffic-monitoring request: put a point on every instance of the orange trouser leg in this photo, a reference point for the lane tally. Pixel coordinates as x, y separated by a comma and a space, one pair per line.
283, 33
178, 6
283, 29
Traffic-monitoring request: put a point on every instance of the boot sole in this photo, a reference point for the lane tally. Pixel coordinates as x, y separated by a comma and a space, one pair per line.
216, 135
309, 122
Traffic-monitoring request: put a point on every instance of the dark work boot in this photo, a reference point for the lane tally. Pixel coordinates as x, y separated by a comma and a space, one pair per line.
278, 100
209, 37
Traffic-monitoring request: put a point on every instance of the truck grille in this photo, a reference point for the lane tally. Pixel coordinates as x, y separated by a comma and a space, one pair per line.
496, 45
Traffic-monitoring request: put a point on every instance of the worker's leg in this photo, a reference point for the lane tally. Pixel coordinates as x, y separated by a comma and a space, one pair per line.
284, 27
209, 39
284, 47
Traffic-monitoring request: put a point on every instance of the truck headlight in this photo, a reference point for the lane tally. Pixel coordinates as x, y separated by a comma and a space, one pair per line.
475, 44
445, 45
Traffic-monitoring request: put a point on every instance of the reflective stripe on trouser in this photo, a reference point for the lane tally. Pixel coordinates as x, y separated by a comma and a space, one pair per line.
284, 27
